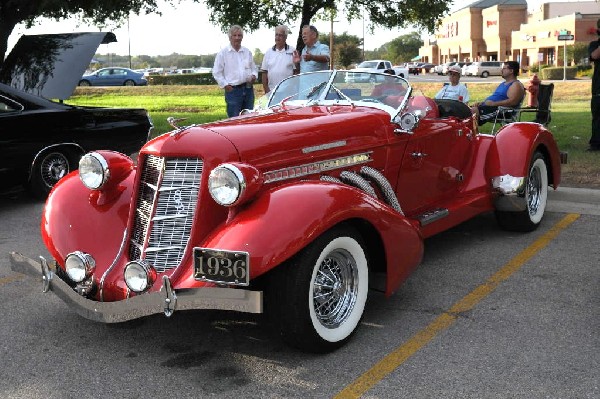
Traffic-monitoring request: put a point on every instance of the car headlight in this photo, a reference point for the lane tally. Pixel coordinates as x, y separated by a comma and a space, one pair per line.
139, 275
93, 170
226, 184
79, 266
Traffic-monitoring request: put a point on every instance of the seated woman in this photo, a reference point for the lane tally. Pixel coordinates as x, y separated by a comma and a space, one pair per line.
454, 90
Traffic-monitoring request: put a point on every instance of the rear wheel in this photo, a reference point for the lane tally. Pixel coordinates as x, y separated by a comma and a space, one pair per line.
485, 74
48, 169
536, 196
129, 82
318, 297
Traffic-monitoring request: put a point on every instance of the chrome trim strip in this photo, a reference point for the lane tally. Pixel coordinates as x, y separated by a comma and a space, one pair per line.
317, 167
322, 147
238, 300
119, 253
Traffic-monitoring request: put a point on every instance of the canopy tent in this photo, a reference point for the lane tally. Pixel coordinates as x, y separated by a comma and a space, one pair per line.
417, 58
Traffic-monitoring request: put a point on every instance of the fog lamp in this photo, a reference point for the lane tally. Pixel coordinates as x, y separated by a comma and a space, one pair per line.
79, 266
139, 275
93, 170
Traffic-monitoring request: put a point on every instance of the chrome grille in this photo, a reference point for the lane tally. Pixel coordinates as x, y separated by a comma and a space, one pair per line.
165, 208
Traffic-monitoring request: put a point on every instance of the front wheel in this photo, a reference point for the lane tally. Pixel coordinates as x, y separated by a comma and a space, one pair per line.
318, 297
47, 170
536, 196
84, 83
485, 74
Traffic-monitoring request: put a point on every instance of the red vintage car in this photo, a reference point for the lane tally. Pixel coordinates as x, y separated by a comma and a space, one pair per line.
296, 209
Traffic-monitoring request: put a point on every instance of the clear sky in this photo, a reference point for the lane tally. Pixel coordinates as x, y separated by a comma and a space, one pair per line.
185, 29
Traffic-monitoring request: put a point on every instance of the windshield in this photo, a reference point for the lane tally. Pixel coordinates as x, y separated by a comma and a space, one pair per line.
387, 92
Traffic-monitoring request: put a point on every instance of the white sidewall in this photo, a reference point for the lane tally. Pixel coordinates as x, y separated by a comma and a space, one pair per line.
349, 325
541, 166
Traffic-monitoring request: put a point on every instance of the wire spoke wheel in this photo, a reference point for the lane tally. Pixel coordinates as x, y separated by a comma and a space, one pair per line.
335, 288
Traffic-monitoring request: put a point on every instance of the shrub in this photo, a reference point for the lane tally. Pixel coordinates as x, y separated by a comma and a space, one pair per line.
557, 73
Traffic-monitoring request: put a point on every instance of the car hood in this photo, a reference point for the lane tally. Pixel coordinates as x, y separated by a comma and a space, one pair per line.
50, 66
293, 136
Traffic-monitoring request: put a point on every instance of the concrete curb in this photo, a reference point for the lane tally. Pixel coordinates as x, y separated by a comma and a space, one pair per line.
574, 200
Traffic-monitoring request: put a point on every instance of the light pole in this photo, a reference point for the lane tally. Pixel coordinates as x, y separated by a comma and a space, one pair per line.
129, 42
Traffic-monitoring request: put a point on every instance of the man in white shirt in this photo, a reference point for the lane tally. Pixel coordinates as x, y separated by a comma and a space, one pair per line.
235, 71
278, 62
454, 90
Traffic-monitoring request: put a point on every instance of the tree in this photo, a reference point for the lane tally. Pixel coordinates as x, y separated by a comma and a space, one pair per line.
13, 12
346, 48
388, 14
404, 48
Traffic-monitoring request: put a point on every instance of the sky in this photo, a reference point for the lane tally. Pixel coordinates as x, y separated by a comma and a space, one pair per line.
185, 29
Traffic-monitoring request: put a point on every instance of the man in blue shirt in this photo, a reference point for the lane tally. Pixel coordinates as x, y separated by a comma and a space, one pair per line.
315, 55
509, 93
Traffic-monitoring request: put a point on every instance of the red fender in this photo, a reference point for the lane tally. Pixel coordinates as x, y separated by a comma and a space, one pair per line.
281, 222
513, 147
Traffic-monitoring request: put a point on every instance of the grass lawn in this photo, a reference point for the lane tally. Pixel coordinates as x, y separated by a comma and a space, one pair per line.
571, 116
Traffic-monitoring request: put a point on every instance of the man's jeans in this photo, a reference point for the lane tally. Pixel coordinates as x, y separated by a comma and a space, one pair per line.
241, 97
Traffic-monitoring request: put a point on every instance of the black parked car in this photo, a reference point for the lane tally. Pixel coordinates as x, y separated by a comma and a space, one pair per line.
42, 140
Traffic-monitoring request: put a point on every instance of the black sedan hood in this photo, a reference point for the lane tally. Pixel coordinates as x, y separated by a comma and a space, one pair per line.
50, 66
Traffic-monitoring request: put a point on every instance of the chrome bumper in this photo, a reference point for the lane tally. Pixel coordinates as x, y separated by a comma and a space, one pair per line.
166, 301
511, 193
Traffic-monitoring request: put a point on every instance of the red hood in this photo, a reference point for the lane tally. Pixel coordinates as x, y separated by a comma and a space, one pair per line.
268, 139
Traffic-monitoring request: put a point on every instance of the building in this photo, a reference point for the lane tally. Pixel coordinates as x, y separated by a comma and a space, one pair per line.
500, 30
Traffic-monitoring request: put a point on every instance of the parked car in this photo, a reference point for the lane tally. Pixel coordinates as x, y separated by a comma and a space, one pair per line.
296, 209
365, 70
464, 67
485, 69
43, 140
114, 77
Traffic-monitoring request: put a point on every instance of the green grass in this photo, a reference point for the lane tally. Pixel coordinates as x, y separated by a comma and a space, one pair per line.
571, 116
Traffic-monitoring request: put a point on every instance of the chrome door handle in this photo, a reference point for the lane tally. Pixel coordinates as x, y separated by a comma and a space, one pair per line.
418, 155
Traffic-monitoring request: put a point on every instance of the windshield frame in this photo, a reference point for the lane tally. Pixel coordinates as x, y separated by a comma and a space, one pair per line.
331, 87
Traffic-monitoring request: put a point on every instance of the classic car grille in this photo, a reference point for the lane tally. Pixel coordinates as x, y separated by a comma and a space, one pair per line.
165, 209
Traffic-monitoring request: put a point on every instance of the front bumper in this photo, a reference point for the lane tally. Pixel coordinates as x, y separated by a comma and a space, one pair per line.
166, 301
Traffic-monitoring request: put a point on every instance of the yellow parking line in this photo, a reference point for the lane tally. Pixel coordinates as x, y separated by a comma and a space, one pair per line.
10, 279
396, 358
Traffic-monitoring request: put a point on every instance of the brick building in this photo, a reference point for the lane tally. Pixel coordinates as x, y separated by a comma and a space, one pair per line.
499, 30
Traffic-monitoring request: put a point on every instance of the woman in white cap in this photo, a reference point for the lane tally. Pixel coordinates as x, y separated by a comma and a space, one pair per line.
454, 90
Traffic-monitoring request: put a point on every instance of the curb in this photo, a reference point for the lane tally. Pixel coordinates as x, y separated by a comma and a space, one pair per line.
574, 200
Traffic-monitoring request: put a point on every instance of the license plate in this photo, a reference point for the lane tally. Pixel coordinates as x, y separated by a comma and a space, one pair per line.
219, 266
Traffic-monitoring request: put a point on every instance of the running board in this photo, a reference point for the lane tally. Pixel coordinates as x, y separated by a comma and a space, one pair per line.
432, 216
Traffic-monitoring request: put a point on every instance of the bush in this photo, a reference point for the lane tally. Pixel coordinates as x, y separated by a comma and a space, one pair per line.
187, 79
557, 73
182, 79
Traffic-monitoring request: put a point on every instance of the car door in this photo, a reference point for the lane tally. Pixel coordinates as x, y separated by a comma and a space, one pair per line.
434, 164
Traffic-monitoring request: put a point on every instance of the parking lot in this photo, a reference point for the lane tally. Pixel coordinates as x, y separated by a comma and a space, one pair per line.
487, 314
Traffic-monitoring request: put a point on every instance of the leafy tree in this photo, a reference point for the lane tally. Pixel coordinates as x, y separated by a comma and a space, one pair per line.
403, 48
346, 48
13, 12
578, 52
388, 14
258, 57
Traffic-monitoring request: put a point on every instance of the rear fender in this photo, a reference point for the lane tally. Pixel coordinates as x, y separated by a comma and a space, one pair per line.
284, 220
511, 151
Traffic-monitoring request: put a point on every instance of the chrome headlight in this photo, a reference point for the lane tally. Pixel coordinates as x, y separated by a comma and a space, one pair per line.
226, 184
79, 266
139, 275
93, 170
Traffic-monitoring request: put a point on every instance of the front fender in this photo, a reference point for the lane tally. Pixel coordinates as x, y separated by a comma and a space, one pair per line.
284, 220
77, 218
512, 148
